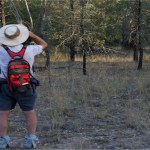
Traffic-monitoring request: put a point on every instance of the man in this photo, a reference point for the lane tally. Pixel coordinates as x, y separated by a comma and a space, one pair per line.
13, 36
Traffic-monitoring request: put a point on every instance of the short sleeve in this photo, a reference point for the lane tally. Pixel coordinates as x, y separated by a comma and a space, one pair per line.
37, 49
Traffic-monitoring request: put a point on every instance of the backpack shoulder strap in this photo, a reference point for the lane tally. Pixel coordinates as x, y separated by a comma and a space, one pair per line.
13, 54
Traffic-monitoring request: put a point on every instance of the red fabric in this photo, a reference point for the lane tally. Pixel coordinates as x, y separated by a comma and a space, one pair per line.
13, 54
15, 82
19, 66
22, 78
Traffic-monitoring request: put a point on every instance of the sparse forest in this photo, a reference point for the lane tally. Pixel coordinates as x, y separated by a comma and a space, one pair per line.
95, 90
74, 25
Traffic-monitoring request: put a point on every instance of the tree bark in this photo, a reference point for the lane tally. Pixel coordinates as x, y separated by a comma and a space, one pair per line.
2, 13
137, 41
139, 36
126, 27
82, 4
72, 45
135, 54
41, 18
30, 17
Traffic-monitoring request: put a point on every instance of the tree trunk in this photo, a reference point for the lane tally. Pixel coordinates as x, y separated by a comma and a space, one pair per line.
72, 45
41, 18
139, 36
2, 13
81, 34
31, 20
126, 28
136, 49
137, 41
135, 55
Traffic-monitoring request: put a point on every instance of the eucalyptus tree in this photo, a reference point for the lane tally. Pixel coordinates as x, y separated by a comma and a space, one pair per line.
30, 16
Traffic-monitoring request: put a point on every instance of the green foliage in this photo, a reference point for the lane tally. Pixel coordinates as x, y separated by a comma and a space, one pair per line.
104, 20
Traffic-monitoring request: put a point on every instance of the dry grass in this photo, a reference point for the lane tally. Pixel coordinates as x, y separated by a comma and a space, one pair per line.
112, 98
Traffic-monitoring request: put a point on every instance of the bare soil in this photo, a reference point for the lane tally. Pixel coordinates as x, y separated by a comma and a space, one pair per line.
106, 109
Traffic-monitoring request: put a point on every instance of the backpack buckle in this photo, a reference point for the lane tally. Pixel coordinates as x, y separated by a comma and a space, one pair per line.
23, 88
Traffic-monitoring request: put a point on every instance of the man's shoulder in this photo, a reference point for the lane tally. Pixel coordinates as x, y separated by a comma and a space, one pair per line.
34, 46
37, 49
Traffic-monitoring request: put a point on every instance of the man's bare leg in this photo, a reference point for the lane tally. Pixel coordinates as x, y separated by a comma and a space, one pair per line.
31, 121
4, 122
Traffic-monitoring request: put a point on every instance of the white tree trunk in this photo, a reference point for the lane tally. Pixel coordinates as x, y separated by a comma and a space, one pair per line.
31, 20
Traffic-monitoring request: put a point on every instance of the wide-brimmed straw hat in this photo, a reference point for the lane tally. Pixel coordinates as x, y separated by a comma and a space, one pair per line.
13, 34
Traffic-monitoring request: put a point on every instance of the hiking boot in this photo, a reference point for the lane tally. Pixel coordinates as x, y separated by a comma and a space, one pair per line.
30, 141
4, 142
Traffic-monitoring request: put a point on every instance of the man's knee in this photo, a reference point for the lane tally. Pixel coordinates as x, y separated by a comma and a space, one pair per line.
4, 114
29, 112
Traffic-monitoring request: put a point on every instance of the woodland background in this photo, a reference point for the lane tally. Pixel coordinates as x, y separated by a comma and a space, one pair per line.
84, 25
94, 88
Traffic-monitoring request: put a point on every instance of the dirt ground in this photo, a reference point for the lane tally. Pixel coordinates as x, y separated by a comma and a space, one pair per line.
106, 109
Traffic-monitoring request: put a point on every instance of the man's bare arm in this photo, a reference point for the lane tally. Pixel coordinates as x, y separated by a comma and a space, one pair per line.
38, 40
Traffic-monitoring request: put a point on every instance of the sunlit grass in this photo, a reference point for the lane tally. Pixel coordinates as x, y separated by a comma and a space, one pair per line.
69, 101
108, 78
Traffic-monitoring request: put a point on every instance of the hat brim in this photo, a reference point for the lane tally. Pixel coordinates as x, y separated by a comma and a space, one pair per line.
24, 34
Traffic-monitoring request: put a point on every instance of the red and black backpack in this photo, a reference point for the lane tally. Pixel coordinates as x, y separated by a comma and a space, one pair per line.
18, 76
